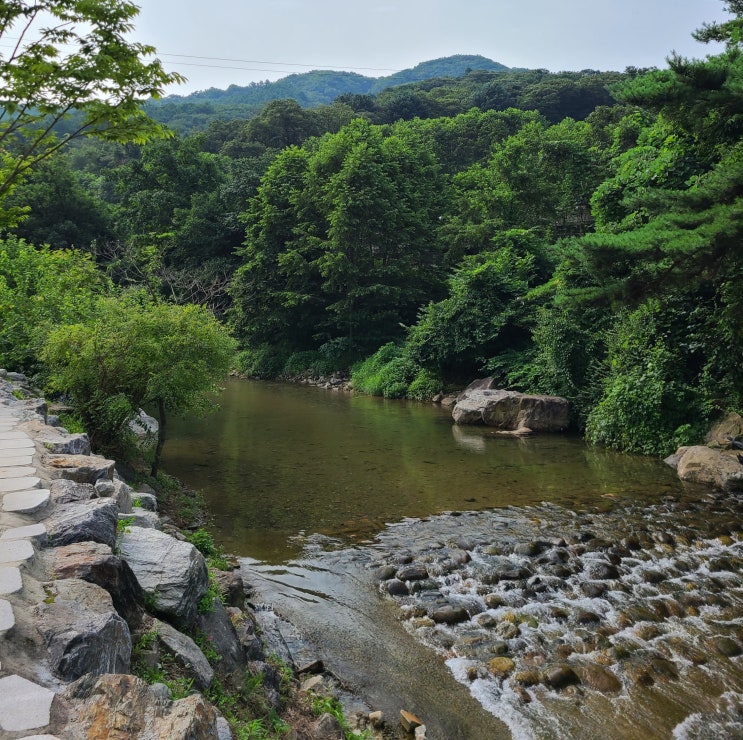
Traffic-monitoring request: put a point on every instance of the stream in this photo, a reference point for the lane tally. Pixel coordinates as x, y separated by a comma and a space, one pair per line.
495, 587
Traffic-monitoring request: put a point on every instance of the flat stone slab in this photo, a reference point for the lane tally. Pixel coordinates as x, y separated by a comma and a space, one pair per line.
26, 502
20, 459
7, 622
24, 705
6, 435
34, 532
16, 444
17, 471
15, 551
8, 485
10, 580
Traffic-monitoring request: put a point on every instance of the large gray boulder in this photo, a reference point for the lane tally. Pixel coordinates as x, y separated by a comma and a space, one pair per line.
186, 653
82, 631
216, 625
512, 411
86, 521
96, 563
172, 573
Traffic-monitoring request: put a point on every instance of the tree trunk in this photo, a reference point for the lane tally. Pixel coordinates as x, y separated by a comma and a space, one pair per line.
160, 438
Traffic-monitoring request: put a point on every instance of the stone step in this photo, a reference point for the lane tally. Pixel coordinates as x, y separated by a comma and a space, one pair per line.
7, 620
35, 532
26, 502
17, 471
16, 551
10, 580
24, 705
10, 435
15, 444
8, 485
22, 458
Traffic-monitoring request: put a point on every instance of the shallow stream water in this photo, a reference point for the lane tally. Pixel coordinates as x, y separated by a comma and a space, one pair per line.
597, 597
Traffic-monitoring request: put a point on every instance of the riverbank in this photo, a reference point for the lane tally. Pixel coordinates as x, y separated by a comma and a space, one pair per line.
105, 604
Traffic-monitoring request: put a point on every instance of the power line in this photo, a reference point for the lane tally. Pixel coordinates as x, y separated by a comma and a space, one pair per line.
281, 64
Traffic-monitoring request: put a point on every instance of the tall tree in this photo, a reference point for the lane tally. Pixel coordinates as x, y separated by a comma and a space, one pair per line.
65, 57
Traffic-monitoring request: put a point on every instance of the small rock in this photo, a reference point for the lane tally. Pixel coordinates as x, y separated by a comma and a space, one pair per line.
450, 614
409, 721
559, 676
501, 666
396, 587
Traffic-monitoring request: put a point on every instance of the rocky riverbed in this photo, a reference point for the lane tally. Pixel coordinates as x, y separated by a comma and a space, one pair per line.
618, 624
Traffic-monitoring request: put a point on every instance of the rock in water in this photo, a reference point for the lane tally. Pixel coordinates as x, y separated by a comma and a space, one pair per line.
512, 411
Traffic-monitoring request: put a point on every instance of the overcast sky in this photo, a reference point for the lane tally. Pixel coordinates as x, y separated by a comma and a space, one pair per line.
241, 41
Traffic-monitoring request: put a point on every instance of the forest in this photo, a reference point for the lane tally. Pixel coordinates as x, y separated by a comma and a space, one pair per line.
572, 233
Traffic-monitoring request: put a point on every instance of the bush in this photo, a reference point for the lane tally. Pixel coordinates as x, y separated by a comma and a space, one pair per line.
425, 386
367, 375
310, 362
264, 362
647, 405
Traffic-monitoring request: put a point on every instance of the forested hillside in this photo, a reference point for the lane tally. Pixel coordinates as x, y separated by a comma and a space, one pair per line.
573, 233
442, 87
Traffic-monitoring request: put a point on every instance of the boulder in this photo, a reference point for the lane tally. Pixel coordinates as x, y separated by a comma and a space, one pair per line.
723, 430
65, 491
186, 653
222, 637
83, 633
140, 518
512, 411
245, 630
96, 563
124, 706
64, 444
88, 521
172, 573
711, 467
80, 468
232, 587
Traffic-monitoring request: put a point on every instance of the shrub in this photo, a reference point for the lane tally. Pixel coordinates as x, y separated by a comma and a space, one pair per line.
425, 386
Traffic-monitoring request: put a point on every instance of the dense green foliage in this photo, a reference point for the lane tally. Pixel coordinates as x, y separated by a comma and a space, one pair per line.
133, 352
70, 56
571, 233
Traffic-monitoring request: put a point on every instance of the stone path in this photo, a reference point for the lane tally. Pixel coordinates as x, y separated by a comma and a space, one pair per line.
25, 706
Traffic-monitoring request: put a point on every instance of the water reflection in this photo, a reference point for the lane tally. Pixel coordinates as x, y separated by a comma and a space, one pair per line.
281, 460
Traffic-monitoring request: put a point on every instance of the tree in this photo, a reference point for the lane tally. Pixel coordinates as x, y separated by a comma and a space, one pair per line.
70, 72
40, 289
135, 352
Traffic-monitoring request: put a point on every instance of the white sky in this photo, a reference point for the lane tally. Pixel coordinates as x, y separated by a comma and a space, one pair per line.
273, 38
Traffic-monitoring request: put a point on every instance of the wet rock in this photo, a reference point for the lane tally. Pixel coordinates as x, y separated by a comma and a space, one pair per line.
559, 676
90, 521
83, 633
186, 653
527, 678
501, 667
412, 573
725, 646
386, 572
594, 589
529, 549
598, 678
450, 614
586, 617
409, 721
173, 573
396, 587
601, 571
96, 563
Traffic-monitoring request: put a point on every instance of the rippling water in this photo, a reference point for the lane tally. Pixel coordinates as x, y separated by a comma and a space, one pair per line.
561, 556
277, 461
